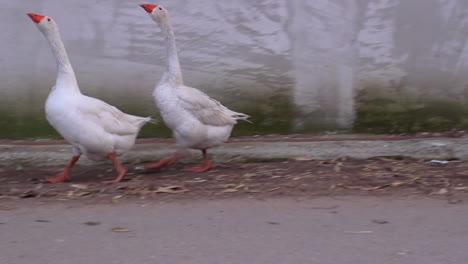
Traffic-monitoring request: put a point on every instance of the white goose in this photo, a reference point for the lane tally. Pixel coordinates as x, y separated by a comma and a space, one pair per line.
94, 128
197, 121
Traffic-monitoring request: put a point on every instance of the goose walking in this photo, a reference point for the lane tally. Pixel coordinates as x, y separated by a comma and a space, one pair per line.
93, 128
196, 120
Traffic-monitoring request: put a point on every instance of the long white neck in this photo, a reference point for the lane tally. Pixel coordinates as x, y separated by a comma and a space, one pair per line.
66, 79
173, 74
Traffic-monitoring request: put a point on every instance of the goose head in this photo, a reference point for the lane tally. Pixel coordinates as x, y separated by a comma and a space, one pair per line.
157, 12
44, 23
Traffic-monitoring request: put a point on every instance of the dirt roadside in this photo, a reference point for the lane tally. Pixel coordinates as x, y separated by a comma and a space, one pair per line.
261, 169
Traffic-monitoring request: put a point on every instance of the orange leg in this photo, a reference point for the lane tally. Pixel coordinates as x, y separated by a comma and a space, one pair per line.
121, 171
207, 164
64, 175
166, 161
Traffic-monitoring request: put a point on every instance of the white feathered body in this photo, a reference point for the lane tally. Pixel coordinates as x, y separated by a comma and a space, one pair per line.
197, 121
93, 127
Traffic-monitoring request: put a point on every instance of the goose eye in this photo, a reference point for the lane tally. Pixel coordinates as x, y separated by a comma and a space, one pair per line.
160, 8
48, 19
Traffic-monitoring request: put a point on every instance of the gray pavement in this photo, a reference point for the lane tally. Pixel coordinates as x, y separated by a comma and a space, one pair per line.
322, 230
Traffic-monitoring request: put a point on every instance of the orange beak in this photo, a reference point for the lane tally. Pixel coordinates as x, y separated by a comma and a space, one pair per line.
148, 7
35, 17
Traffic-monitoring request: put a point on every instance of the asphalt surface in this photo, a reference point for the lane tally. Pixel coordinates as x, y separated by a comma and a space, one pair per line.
320, 230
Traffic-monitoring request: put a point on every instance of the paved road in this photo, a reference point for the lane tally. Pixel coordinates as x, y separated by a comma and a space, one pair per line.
322, 230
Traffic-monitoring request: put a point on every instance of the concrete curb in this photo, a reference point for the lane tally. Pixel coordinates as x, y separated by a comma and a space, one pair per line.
423, 148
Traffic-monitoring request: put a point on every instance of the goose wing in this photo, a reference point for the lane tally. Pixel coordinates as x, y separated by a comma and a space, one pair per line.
207, 110
111, 119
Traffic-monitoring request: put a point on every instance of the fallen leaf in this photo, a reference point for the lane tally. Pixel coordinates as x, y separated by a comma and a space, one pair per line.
353, 187
249, 175
240, 185
29, 194
441, 191
365, 188
43, 221
119, 229
377, 187
117, 197
92, 223
79, 186
380, 221
81, 194
171, 189
230, 190
358, 232
402, 253
221, 177
273, 189
196, 181
439, 161
337, 167
325, 207
302, 159
397, 183
71, 194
